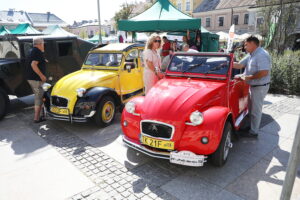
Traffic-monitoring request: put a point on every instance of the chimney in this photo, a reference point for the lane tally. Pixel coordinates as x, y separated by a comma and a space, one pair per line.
48, 16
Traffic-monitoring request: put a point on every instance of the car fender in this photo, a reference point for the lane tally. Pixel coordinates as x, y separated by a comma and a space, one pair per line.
96, 93
132, 129
214, 119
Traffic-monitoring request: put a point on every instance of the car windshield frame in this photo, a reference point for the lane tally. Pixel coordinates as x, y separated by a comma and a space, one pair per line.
101, 65
207, 72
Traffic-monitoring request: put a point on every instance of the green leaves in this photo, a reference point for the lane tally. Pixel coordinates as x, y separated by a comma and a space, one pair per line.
285, 73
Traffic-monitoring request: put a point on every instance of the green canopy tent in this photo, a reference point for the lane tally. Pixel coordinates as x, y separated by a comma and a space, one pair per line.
4, 31
162, 16
210, 41
25, 29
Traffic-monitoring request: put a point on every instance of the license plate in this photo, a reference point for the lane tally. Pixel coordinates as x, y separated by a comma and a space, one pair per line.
160, 144
187, 158
61, 111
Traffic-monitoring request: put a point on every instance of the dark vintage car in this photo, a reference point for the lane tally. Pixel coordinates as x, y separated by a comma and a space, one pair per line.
65, 55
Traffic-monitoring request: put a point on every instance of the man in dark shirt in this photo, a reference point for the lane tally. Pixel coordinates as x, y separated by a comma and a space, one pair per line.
36, 69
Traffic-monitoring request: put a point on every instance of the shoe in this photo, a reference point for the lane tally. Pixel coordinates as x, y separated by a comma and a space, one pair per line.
248, 134
42, 119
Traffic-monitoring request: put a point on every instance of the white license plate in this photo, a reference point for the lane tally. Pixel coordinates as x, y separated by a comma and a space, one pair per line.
187, 158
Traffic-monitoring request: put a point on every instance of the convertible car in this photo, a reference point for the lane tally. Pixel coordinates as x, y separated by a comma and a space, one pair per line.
191, 114
109, 77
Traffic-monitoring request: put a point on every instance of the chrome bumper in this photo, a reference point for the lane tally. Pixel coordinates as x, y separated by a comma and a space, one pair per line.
186, 158
163, 155
69, 118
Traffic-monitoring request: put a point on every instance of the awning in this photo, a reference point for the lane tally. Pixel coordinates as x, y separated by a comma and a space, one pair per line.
162, 16
25, 29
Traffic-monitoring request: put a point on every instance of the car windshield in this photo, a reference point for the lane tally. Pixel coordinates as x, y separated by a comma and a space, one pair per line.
200, 64
104, 59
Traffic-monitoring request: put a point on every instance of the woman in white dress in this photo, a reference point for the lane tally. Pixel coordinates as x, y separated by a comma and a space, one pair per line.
152, 61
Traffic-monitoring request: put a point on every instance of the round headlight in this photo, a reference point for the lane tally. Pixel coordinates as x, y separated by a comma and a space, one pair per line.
196, 117
80, 92
130, 107
46, 86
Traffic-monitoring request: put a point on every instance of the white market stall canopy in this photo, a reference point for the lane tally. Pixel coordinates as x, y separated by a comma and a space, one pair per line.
57, 31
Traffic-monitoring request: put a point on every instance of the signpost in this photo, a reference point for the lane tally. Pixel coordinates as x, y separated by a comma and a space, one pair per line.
293, 164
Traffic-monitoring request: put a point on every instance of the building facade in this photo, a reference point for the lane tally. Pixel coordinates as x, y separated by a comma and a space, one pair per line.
219, 15
186, 6
87, 29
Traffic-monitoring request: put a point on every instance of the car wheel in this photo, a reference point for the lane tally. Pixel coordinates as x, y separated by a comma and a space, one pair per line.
105, 111
219, 158
4, 103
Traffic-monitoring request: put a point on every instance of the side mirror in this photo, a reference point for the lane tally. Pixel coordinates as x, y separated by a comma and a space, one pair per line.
129, 66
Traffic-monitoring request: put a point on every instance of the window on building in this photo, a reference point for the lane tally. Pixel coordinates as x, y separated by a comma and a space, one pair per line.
187, 5
179, 6
65, 48
92, 33
246, 18
259, 21
221, 21
235, 19
207, 22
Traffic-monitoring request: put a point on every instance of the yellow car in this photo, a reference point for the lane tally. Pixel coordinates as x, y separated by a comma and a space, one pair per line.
110, 76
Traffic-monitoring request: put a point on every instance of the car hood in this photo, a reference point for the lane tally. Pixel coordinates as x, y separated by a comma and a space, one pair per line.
82, 79
172, 100
85, 78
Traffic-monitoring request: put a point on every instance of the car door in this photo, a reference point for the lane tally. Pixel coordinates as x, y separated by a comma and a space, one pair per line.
238, 97
131, 79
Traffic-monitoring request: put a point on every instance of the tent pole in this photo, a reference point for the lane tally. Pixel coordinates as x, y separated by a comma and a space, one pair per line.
99, 20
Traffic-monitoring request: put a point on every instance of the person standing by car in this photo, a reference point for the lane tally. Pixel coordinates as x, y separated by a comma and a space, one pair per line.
152, 60
36, 69
257, 74
186, 48
165, 47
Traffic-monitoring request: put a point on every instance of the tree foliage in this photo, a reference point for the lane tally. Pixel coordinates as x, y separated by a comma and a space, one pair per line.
279, 22
125, 12
285, 73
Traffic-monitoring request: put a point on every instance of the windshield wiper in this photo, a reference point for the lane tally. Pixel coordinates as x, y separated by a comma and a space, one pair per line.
192, 67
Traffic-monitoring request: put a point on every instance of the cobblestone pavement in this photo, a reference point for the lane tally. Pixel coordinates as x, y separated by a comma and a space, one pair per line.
158, 179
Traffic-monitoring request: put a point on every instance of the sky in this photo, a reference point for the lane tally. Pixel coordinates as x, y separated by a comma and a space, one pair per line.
68, 10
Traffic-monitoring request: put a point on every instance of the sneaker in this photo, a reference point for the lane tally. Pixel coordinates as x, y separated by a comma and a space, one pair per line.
40, 120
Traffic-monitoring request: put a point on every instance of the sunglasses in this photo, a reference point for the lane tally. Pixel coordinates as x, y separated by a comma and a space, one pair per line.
159, 41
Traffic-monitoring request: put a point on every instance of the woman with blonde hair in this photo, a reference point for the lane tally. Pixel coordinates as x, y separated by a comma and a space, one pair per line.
152, 61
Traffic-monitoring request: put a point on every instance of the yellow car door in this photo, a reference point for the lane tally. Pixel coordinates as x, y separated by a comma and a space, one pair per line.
131, 75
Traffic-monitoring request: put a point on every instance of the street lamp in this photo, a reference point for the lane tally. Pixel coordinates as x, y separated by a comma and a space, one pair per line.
100, 38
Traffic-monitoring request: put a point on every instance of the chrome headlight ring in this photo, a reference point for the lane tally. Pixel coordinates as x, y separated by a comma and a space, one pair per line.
80, 92
196, 118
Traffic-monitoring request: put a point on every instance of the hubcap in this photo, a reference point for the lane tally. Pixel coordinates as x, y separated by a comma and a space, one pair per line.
108, 112
227, 145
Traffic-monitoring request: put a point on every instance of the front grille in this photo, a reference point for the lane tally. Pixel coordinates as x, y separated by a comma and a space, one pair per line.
59, 101
157, 130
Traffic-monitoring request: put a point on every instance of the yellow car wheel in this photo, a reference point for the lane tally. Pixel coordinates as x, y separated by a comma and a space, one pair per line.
106, 111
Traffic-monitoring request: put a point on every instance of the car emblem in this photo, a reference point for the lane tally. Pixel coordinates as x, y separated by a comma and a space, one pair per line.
153, 128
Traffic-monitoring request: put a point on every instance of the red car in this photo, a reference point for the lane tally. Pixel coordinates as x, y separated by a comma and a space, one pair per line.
191, 113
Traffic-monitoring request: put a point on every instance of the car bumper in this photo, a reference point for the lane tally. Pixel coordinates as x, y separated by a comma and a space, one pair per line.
69, 118
174, 156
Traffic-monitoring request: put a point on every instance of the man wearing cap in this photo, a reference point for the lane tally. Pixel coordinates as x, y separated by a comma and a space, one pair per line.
257, 74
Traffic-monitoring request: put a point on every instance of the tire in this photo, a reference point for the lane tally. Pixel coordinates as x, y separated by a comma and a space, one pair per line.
4, 103
219, 157
105, 111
